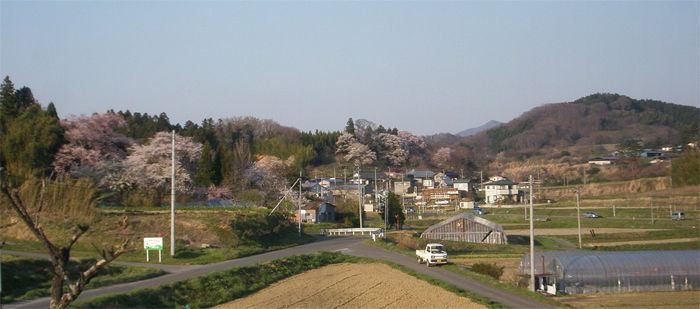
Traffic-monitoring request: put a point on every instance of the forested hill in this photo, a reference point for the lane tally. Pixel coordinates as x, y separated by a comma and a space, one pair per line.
593, 120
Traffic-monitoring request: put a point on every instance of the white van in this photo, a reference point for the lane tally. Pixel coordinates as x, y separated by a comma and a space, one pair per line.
677, 215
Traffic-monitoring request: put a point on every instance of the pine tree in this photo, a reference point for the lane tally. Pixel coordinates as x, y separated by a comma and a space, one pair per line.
205, 168
350, 127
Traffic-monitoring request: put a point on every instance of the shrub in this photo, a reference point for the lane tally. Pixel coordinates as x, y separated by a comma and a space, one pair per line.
492, 270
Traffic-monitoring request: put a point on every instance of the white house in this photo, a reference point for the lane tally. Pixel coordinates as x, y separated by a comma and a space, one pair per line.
501, 190
463, 184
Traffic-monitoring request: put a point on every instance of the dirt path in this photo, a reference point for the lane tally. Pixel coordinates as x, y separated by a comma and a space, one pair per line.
352, 286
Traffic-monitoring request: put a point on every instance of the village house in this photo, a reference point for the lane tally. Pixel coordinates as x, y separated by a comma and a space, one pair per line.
442, 181
317, 212
424, 179
442, 196
464, 185
349, 191
502, 191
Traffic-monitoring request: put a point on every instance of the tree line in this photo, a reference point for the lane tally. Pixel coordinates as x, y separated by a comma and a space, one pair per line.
127, 155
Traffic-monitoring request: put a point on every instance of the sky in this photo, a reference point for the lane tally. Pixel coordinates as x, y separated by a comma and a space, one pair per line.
425, 67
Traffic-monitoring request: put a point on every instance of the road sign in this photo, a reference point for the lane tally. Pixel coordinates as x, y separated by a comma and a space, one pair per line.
153, 243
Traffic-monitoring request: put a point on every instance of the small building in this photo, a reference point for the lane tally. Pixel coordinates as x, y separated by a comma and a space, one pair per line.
501, 191
448, 195
312, 187
602, 160
423, 178
468, 228
402, 186
463, 185
443, 181
349, 191
316, 212
586, 272
330, 182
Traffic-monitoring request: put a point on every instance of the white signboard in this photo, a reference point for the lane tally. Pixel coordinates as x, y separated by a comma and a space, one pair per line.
153, 243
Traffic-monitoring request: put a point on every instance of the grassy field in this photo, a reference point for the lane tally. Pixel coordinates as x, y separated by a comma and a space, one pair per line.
215, 228
26, 278
202, 236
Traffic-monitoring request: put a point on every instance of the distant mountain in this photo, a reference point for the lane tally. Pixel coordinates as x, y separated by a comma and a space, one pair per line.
593, 120
484, 127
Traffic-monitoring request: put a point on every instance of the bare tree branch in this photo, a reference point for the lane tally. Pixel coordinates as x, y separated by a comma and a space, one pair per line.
19, 207
60, 256
81, 230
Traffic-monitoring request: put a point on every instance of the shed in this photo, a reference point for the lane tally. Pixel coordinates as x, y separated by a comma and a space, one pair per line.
614, 272
468, 228
317, 212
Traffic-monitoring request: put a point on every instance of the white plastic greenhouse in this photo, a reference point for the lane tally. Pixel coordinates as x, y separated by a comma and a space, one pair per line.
581, 272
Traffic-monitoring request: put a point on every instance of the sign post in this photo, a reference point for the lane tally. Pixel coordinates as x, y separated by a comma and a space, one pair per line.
153, 243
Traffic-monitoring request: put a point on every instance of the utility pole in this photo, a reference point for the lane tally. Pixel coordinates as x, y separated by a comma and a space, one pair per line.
481, 173
376, 188
360, 195
1, 169
578, 215
386, 211
532, 243
651, 205
172, 202
299, 204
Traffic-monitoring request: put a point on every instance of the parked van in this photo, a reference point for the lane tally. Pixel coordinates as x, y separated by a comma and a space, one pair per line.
677, 215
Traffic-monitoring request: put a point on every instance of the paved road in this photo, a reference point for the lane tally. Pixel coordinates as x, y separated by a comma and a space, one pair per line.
347, 245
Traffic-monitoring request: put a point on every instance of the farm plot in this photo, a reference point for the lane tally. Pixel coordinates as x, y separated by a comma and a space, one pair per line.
352, 286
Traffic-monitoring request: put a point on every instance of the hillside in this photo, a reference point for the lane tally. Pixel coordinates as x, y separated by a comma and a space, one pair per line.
597, 119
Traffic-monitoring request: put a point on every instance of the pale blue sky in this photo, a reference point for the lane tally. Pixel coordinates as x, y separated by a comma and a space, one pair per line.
425, 67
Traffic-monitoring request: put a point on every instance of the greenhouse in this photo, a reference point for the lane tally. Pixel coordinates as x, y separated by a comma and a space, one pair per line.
468, 228
582, 272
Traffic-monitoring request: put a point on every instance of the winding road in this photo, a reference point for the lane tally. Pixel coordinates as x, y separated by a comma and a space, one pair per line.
346, 245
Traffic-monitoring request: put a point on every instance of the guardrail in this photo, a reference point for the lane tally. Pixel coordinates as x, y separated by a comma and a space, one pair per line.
373, 231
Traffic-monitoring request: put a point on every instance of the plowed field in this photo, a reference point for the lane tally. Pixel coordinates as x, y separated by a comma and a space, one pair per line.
352, 286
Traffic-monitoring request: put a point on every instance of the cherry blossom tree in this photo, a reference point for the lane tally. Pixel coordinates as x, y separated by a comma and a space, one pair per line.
92, 142
360, 154
442, 156
415, 144
151, 166
393, 148
344, 142
214, 193
268, 173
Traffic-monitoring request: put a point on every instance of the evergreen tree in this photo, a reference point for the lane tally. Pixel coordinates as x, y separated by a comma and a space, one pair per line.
8, 101
205, 168
686, 169
30, 141
394, 209
350, 127
30, 135
51, 110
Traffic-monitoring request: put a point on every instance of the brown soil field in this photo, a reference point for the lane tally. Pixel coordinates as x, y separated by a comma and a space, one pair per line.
352, 286
674, 300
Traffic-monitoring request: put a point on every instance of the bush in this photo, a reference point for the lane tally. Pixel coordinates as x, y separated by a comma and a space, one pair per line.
492, 270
